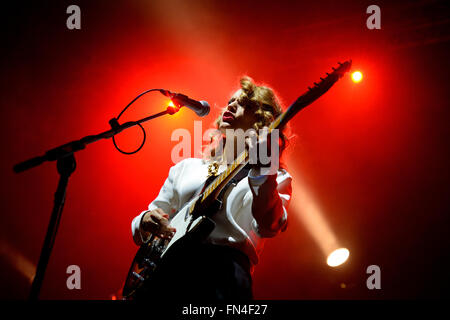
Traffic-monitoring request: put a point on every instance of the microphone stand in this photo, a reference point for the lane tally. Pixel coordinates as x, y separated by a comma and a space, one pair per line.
65, 163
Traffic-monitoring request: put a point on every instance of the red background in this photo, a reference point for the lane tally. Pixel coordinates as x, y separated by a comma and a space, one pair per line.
374, 154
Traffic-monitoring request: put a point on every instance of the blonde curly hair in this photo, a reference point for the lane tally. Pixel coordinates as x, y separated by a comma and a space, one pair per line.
264, 101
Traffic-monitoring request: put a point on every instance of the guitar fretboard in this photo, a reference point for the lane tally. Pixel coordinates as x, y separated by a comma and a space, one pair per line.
241, 159
304, 100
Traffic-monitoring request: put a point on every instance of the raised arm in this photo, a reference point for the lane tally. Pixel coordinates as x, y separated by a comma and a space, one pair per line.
271, 196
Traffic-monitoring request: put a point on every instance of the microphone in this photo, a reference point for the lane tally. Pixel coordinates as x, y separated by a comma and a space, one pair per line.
201, 108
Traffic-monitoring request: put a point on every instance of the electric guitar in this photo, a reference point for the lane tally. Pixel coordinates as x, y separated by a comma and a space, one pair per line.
193, 221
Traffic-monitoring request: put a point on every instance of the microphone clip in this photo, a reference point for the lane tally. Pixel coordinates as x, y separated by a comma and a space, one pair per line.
114, 123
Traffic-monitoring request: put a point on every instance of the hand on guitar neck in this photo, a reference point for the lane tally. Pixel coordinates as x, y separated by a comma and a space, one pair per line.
263, 144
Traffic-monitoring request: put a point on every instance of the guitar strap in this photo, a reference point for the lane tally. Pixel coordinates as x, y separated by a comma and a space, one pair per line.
207, 225
238, 177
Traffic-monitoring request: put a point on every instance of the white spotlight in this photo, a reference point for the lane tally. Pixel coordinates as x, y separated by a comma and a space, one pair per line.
338, 257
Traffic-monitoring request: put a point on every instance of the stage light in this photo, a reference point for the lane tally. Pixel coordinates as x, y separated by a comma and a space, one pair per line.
171, 108
308, 210
338, 257
17, 260
357, 76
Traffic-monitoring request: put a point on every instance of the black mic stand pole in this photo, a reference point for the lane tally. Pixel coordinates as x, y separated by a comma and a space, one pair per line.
65, 163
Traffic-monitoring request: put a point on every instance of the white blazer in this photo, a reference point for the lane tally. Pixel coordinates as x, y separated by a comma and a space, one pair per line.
235, 225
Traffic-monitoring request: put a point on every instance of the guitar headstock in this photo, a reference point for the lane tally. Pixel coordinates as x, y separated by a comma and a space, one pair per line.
313, 93
325, 83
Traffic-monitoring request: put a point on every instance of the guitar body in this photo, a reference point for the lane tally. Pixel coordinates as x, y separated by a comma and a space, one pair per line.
192, 222
187, 224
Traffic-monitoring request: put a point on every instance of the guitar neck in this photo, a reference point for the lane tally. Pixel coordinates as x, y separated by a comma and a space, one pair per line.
303, 101
219, 183
222, 179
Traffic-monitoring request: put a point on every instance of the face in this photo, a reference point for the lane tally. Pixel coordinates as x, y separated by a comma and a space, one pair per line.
236, 116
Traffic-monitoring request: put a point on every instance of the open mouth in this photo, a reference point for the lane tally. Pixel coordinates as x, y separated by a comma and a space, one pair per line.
228, 117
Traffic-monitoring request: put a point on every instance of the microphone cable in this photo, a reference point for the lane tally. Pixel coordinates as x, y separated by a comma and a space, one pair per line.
142, 128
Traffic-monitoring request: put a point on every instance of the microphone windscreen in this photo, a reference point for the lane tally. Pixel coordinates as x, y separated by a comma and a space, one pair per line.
205, 110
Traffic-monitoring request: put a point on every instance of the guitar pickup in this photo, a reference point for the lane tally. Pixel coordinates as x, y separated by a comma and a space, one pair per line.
149, 263
138, 276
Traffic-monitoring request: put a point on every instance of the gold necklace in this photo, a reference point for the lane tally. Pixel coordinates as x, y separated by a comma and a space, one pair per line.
213, 169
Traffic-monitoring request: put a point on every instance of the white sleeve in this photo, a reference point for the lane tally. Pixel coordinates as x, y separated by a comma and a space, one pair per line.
167, 200
284, 189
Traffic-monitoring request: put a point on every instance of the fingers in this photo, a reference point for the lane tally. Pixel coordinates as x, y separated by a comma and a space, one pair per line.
158, 216
161, 213
252, 139
263, 147
163, 229
156, 222
264, 131
148, 224
166, 232
264, 136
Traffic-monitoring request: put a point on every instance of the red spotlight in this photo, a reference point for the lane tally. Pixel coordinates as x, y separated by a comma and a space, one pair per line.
172, 108
357, 76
